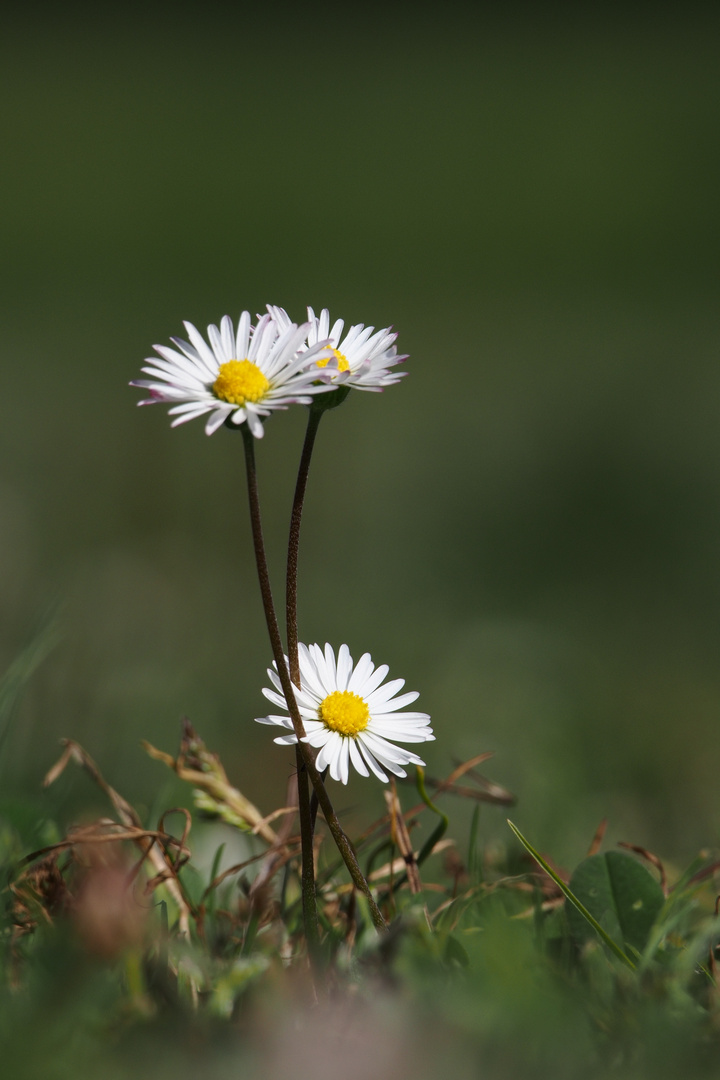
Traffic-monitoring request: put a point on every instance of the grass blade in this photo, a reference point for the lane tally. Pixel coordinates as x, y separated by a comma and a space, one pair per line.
572, 899
23, 668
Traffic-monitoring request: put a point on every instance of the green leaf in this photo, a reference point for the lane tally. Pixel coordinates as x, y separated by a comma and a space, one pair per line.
455, 954
621, 894
570, 896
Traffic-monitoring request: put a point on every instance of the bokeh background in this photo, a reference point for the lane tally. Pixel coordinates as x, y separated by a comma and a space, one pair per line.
527, 528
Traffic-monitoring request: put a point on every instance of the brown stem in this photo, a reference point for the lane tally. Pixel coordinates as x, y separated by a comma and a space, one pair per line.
341, 840
314, 417
307, 828
309, 901
308, 807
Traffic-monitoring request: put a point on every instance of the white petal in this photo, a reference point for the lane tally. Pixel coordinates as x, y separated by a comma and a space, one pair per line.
243, 336
330, 665
307, 698
254, 422
356, 757
385, 760
277, 721
380, 696
388, 753
317, 657
280, 316
370, 759
308, 714
309, 675
228, 338
256, 336
363, 670
342, 761
373, 681
217, 420
173, 362
274, 678
277, 699
395, 704
319, 737
189, 416
344, 667
202, 348
190, 406
414, 719
413, 735
215, 340
336, 332
328, 754
327, 683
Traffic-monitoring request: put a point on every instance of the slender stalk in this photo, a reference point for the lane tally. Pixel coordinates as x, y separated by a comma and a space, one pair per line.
314, 801
341, 840
309, 901
314, 417
307, 828
308, 807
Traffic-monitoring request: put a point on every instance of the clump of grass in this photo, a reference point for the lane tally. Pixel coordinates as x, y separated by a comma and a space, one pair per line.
497, 948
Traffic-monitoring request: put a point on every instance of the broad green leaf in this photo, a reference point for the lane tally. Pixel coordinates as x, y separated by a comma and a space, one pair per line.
621, 894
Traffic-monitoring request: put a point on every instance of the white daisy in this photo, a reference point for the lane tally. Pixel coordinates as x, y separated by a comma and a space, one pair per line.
349, 715
361, 359
239, 376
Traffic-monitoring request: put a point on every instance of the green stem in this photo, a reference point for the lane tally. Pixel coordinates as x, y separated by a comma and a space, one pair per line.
341, 840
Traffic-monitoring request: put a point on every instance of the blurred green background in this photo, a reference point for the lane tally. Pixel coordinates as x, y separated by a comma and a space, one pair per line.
527, 528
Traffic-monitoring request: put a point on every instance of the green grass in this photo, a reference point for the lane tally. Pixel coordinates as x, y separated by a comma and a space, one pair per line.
114, 962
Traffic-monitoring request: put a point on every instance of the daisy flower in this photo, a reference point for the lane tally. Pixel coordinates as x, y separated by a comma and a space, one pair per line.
242, 376
361, 360
349, 715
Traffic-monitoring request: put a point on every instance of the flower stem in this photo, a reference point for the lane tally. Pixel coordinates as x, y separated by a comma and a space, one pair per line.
341, 840
309, 901
308, 807
307, 828
314, 418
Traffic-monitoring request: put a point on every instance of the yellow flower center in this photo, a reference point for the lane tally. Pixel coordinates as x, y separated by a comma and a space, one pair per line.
343, 364
344, 712
239, 381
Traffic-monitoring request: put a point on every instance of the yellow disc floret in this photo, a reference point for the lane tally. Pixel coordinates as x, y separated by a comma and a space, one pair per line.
239, 381
342, 360
344, 712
